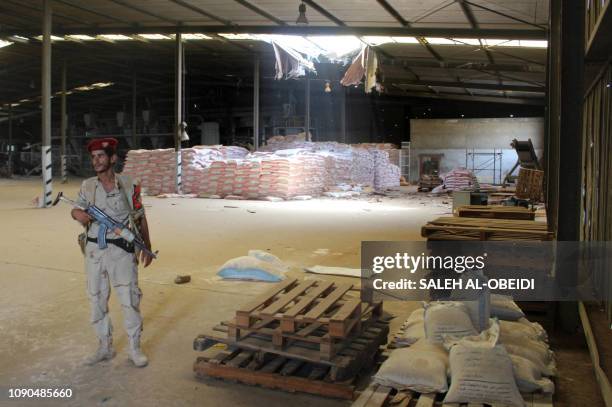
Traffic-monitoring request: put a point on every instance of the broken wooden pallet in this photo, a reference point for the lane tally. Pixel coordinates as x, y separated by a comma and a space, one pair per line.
495, 212
274, 372
348, 356
378, 396
297, 307
456, 228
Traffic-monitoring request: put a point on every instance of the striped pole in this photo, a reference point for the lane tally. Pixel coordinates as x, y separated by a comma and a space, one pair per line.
178, 110
64, 168
47, 178
63, 125
46, 106
179, 172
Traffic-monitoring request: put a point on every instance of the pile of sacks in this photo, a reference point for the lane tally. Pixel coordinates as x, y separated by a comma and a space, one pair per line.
156, 169
459, 179
285, 173
493, 366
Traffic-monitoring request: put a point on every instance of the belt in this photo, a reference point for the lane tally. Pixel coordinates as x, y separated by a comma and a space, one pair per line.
123, 244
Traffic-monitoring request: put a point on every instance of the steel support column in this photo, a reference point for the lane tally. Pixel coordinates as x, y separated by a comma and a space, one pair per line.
63, 127
134, 137
307, 108
10, 139
343, 113
256, 104
178, 109
46, 107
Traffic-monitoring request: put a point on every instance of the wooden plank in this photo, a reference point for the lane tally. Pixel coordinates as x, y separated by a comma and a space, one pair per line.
340, 323
241, 359
273, 365
379, 397
365, 395
426, 400
402, 399
291, 367
600, 375
285, 299
308, 299
542, 400
266, 296
274, 380
327, 302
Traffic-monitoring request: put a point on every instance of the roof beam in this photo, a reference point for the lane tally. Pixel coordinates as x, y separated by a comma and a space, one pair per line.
143, 11
470, 65
297, 30
393, 12
485, 99
202, 12
520, 20
261, 12
326, 13
88, 10
469, 15
40, 10
469, 85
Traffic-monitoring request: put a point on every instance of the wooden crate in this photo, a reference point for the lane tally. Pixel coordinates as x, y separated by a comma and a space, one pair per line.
530, 184
379, 396
456, 228
495, 212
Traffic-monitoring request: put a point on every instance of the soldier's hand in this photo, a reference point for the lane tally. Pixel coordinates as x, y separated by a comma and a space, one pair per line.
145, 258
81, 216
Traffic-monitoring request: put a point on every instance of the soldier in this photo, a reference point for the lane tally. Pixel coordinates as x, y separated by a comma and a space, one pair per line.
117, 263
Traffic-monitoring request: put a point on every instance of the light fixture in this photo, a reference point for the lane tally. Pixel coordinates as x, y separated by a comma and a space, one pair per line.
327, 87
302, 20
183, 132
511, 115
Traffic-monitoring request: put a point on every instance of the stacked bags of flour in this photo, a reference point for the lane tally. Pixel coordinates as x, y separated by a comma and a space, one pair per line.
490, 367
460, 179
386, 175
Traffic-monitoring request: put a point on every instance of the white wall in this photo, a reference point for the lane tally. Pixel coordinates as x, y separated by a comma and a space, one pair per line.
451, 138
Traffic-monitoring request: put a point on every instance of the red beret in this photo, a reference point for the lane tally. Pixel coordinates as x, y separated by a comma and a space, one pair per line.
102, 143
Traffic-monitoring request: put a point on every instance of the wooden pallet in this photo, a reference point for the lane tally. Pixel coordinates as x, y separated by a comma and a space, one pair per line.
378, 396
495, 212
456, 228
318, 312
274, 372
349, 355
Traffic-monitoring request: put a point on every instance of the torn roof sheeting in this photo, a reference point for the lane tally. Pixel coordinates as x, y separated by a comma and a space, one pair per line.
294, 54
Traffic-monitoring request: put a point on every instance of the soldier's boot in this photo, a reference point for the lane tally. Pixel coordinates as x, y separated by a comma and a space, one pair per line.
105, 351
135, 353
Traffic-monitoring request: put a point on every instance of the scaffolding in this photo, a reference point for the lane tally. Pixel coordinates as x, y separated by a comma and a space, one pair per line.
485, 164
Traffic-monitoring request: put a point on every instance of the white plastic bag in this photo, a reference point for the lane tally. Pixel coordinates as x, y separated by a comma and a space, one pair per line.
258, 266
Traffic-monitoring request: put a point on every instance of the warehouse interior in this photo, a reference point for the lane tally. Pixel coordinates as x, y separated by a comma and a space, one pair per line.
300, 129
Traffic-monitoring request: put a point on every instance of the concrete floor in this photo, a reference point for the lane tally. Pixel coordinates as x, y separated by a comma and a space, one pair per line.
44, 310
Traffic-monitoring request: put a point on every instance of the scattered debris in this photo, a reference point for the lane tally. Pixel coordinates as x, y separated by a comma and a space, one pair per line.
334, 271
251, 211
230, 206
177, 195
182, 279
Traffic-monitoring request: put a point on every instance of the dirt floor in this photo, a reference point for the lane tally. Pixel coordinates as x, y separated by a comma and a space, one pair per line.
44, 310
